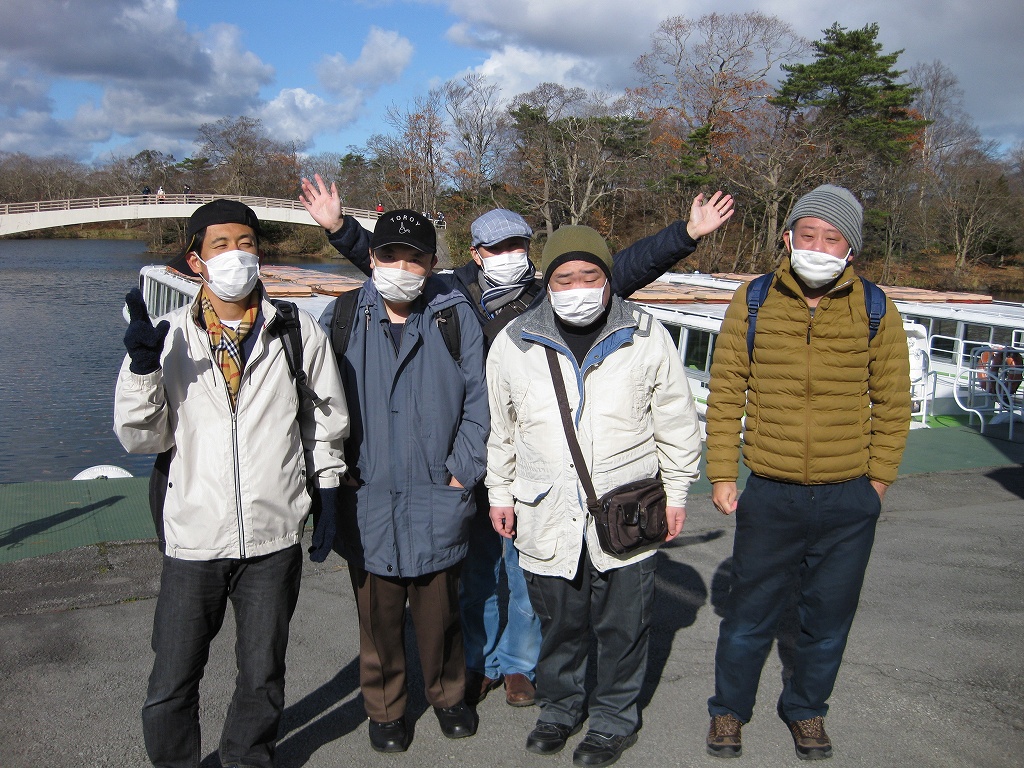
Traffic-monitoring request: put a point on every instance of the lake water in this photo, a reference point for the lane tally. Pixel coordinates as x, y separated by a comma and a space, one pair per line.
61, 346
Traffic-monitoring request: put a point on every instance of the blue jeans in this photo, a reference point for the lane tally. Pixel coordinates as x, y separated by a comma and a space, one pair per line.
493, 649
812, 539
189, 613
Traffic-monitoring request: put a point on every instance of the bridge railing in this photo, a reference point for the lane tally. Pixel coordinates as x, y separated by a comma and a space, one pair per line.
152, 199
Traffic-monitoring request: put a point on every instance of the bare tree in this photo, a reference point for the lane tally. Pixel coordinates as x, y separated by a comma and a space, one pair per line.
479, 132
247, 161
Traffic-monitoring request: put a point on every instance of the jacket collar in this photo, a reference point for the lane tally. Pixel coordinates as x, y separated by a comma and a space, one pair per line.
539, 322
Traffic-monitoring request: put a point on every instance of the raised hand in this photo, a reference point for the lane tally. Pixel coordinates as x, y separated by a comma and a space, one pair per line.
143, 342
706, 217
322, 204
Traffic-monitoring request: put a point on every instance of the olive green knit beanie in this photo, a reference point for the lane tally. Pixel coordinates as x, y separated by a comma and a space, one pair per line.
575, 243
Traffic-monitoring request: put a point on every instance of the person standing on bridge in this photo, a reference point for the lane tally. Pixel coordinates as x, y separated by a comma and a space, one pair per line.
827, 411
501, 283
210, 388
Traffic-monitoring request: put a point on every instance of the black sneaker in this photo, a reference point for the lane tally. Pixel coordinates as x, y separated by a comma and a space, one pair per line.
549, 738
389, 737
599, 749
724, 737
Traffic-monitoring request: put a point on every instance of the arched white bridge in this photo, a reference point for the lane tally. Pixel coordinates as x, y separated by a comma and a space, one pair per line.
24, 217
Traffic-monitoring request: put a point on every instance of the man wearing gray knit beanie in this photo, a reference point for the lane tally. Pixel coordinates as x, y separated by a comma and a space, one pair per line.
824, 383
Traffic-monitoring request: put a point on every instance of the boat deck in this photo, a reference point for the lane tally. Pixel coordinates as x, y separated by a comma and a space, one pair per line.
42, 518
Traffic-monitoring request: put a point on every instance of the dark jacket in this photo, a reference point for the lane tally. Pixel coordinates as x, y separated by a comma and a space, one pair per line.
418, 419
632, 269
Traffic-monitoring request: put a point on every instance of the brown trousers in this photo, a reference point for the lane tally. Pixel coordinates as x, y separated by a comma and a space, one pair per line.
434, 605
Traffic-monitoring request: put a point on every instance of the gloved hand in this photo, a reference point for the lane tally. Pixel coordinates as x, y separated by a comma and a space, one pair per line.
143, 342
324, 525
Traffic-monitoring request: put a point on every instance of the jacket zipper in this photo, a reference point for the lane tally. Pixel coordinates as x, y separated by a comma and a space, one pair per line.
807, 404
234, 453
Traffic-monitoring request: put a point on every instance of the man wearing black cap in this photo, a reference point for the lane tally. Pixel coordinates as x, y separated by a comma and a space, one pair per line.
419, 426
501, 283
210, 389
823, 404
634, 418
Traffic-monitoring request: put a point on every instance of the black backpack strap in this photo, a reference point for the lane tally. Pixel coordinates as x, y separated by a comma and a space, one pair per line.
288, 328
342, 319
451, 331
757, 291
874, 303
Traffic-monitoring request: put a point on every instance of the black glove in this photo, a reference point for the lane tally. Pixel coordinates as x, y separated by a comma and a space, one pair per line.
324, 525
143, 342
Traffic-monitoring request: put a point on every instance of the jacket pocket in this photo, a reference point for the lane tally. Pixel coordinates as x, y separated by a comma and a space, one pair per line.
451, 510
535, 536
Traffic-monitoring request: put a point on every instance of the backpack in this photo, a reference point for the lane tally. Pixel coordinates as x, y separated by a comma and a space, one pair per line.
344, 316
757, 292
287, 328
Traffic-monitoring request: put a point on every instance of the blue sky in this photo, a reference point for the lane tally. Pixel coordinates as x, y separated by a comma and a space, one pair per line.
91, 78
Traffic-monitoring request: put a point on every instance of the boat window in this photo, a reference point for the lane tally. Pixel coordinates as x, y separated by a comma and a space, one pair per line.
975, 336
1004, 336
673, 331
697, 354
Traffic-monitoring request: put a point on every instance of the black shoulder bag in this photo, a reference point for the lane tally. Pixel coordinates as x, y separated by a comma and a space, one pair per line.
628, 517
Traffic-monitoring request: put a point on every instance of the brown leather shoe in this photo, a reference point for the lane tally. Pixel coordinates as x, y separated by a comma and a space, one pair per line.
478, 685
519, 691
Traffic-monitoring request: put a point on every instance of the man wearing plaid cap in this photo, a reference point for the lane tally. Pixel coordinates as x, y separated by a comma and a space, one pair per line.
501, 282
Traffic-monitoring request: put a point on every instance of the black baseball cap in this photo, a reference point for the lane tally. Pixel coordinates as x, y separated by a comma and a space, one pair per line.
405, 227
218, 211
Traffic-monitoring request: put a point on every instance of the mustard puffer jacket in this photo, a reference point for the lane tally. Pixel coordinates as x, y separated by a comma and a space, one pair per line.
822, 405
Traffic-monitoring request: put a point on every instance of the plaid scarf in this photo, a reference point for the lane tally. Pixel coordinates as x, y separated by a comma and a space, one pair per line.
226, 344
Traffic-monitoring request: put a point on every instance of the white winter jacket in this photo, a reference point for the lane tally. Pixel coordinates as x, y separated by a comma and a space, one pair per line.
237, 481
637, 417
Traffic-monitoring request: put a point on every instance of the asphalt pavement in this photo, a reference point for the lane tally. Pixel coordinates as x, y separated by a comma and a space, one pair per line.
932, 675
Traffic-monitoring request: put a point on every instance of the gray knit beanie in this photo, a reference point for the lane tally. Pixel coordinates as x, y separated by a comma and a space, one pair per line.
838, 207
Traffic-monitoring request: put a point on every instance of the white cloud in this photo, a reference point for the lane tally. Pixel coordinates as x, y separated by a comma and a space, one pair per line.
384, 57
298, 115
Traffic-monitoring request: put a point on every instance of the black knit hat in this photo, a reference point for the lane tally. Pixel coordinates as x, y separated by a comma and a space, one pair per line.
404, 227
218, 211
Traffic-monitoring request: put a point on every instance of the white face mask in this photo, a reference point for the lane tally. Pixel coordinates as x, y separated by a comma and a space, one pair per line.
578, 306
505, 268
815, 268
232, 275
397, 285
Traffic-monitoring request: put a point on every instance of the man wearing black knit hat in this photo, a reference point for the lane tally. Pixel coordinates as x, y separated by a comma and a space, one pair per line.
635, 420
817, 381
210, 388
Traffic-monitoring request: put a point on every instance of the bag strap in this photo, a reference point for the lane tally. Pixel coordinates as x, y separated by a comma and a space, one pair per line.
342, 320
874, 303
288, 328
451, 331
570, 431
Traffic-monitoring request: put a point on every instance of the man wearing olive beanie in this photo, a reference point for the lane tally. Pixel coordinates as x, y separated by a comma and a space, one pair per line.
827, 407
636, 419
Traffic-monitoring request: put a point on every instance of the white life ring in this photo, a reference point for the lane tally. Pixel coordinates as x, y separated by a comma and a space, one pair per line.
102, 472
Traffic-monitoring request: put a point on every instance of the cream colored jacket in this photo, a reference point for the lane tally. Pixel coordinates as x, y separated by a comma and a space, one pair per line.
637, 417
237, 481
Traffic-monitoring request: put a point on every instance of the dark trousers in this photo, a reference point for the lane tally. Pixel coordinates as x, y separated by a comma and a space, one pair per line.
814, 540
617, 606
434, 605
189, 613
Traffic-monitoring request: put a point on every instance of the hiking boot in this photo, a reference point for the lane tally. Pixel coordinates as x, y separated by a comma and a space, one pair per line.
810, 739
724, 736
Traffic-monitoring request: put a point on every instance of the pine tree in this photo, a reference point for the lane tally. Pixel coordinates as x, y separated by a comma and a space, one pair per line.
851, 90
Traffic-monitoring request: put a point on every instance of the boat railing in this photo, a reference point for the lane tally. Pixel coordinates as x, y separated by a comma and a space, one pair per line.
989, 387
